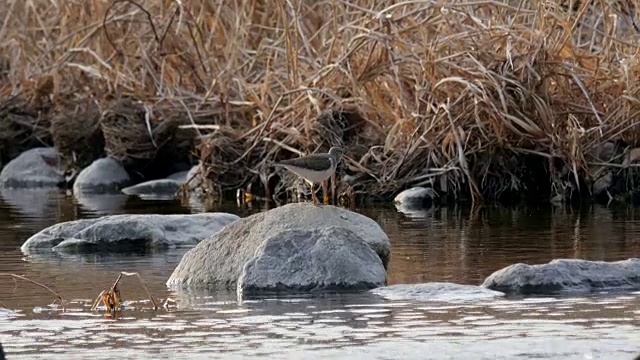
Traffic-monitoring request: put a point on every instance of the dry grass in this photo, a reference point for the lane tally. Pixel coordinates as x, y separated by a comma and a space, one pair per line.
458, 94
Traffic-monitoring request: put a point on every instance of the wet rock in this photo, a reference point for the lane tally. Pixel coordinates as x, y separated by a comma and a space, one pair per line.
194, 178
605, 151
415, 202
416, 197
436, 291
180, 176
557, 199
33, 168
102, 176
162, 188
632, 157
127, 233
284, 233
602, 183
566, 275
305, 260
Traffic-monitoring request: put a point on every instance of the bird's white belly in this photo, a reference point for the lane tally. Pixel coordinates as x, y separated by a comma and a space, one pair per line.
311, 175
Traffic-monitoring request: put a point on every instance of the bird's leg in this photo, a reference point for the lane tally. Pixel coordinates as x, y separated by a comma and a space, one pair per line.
325, 192
313, 195
333, 188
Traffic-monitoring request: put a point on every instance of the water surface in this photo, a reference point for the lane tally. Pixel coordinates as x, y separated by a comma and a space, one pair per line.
449, 244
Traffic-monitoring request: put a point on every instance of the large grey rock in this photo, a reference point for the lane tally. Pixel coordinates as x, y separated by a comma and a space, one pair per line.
117, 233
102, 176
221, 259
305, 260
33, 168
566, 275
436, 291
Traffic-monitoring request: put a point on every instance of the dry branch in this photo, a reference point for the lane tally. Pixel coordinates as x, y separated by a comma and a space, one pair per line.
20, 277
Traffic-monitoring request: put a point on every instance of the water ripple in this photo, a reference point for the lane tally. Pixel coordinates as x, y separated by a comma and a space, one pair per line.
568, 328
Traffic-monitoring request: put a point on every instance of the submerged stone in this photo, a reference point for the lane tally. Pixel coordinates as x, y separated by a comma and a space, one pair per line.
566, 275
102, 176
436, 291
127, 233
259, 251
33, 168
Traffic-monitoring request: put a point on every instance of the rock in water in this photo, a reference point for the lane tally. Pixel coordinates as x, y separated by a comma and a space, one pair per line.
33, 168
162, 188
127, 233
413, 201
436, 291
566, 275
102, 176
263, 251
331, 258
180, 176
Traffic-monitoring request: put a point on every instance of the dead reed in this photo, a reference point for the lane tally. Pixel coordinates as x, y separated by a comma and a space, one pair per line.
16, 277
76, 132
476, 99
112, 299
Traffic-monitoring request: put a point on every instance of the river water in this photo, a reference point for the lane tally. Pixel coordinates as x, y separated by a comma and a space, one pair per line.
444, 245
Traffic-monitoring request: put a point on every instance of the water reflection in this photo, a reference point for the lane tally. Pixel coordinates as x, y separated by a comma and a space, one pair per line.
102, 204
446, 244
454, 244
31, 203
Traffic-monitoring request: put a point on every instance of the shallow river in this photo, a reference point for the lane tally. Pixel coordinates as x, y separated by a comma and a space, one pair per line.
447, 245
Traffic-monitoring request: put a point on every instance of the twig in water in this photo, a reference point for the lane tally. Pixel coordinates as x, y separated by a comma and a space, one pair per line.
16, 276
112, 299
168, 302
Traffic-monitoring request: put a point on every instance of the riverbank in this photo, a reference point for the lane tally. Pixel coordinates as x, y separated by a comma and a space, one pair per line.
490, 101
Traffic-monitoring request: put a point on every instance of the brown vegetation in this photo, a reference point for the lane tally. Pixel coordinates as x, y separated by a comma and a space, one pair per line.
477, 99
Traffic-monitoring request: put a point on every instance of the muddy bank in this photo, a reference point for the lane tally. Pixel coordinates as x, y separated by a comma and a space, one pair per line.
121, 132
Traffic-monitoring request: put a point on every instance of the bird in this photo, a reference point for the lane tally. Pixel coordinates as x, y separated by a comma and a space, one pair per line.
314, 168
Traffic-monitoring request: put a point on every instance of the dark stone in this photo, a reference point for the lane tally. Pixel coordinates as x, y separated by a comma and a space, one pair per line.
566, 275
